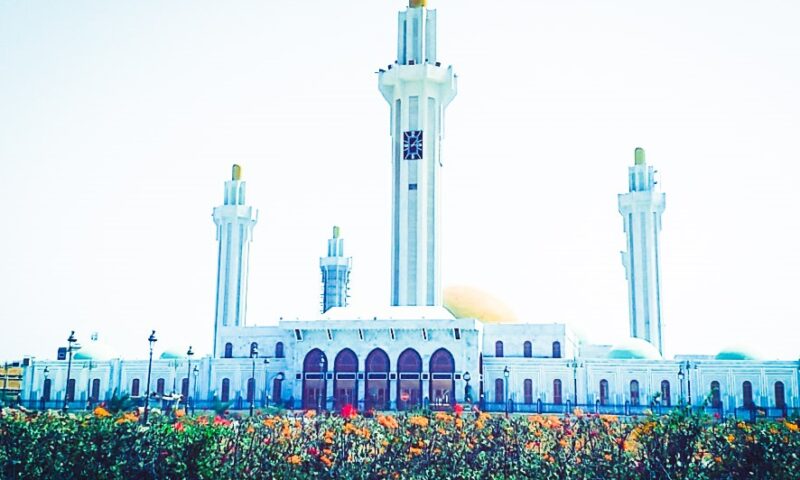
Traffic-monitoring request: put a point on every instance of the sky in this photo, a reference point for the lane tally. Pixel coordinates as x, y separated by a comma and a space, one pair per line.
119, 122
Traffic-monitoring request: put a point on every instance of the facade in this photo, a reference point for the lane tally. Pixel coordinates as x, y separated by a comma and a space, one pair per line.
416, 352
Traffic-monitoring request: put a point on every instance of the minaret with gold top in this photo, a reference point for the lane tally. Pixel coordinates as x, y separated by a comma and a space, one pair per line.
235, 221
418, 89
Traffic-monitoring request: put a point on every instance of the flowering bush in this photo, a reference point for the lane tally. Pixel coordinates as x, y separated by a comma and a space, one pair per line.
456, 444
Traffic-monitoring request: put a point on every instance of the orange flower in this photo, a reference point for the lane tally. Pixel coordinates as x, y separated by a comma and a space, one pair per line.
179, 413
101, 412
294, 459
128, 417
269, 422
310, 414
607, 456
792, 426
414, 451
202, 420
419, 421
327, 461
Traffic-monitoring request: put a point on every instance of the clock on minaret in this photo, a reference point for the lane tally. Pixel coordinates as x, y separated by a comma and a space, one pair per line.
412, 145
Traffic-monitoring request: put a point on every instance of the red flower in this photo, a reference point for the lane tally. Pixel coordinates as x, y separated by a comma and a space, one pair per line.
717, 416
349, 411
178, 426
458, 409
312, 451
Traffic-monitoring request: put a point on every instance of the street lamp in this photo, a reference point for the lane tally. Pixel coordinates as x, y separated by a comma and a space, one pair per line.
467, 392
252, 391
689, 366
73, 345
266, 382
90, 365
195, 372
189, 354
151, 339
506, 374
574, 364
324, 384
681, 377
46, 373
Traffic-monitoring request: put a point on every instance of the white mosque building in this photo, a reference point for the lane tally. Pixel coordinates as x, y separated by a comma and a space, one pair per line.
430, 347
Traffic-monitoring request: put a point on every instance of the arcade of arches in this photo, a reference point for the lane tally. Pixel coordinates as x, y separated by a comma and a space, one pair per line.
378, 376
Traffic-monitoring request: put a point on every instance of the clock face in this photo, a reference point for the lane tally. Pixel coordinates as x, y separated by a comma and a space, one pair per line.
412, 145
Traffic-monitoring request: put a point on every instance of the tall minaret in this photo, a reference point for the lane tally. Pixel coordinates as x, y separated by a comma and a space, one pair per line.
418, 89
235, 222
641, 209
335, 273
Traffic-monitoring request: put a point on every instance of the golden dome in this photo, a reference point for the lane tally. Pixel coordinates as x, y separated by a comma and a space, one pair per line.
470, 302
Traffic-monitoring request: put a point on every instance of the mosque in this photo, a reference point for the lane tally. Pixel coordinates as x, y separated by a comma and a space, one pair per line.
430, 346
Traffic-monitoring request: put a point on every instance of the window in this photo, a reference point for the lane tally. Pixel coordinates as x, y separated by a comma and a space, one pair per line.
666, 398
253, 349
70, 395
634, 392
527, 350
780, 395
498, 348
377, 388
95, 394
556, 349
185, 387
135, 387
277, 390
345, 389
528, 390
716, 397
226, 390
315, 386
498, 391
557, 399
279, 350
48, 384
251, 389
409, 384
442, 384
747, 394
160, 386
412, 186
228, 350
603, 392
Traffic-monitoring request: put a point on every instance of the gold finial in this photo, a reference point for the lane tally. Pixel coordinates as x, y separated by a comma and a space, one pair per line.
335, 231
638, 156
237, 172
417, 3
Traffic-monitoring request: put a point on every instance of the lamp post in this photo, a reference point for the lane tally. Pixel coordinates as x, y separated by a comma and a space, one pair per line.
46, 373
506, 374
266, 382
90, 365
467, 393
195, 372
151, 339
681, 377
252, 391
324, 384
73, 345
689, 380
574, 364
189, 354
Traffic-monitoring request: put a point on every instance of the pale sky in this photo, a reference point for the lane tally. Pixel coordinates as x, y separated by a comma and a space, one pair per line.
119, 122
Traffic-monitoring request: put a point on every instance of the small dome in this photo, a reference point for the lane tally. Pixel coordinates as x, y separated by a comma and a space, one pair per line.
470, 302
634, 348
736, 353
171, 355
93, 351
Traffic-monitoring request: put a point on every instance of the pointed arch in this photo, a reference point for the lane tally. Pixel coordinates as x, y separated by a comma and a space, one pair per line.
377, 377
345, 384
409, 383
442, 385
315, 383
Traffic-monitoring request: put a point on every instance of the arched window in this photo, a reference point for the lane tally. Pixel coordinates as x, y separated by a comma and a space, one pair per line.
135, 387
498, 391
556, 349
557, 391
345, 388
315, 383
377, 388
160, 386
747, 394
277, 390
70, 394
251, 389
527, 387
226, 390
442, 386
498, 348
228, 350
409, 385
527, 349
780, 395
716, 396
46, 388
634, 392
279, 350
185, 387
603, 392
666, 397
95, 389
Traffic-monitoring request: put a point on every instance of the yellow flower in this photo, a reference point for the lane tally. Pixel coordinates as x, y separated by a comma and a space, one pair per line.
419, 421
578, 412
792, 426
730, 438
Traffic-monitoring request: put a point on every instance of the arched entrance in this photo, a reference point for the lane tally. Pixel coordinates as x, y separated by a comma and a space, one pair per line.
442, 368
377, 391
409, 383
345, 389
315, 385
